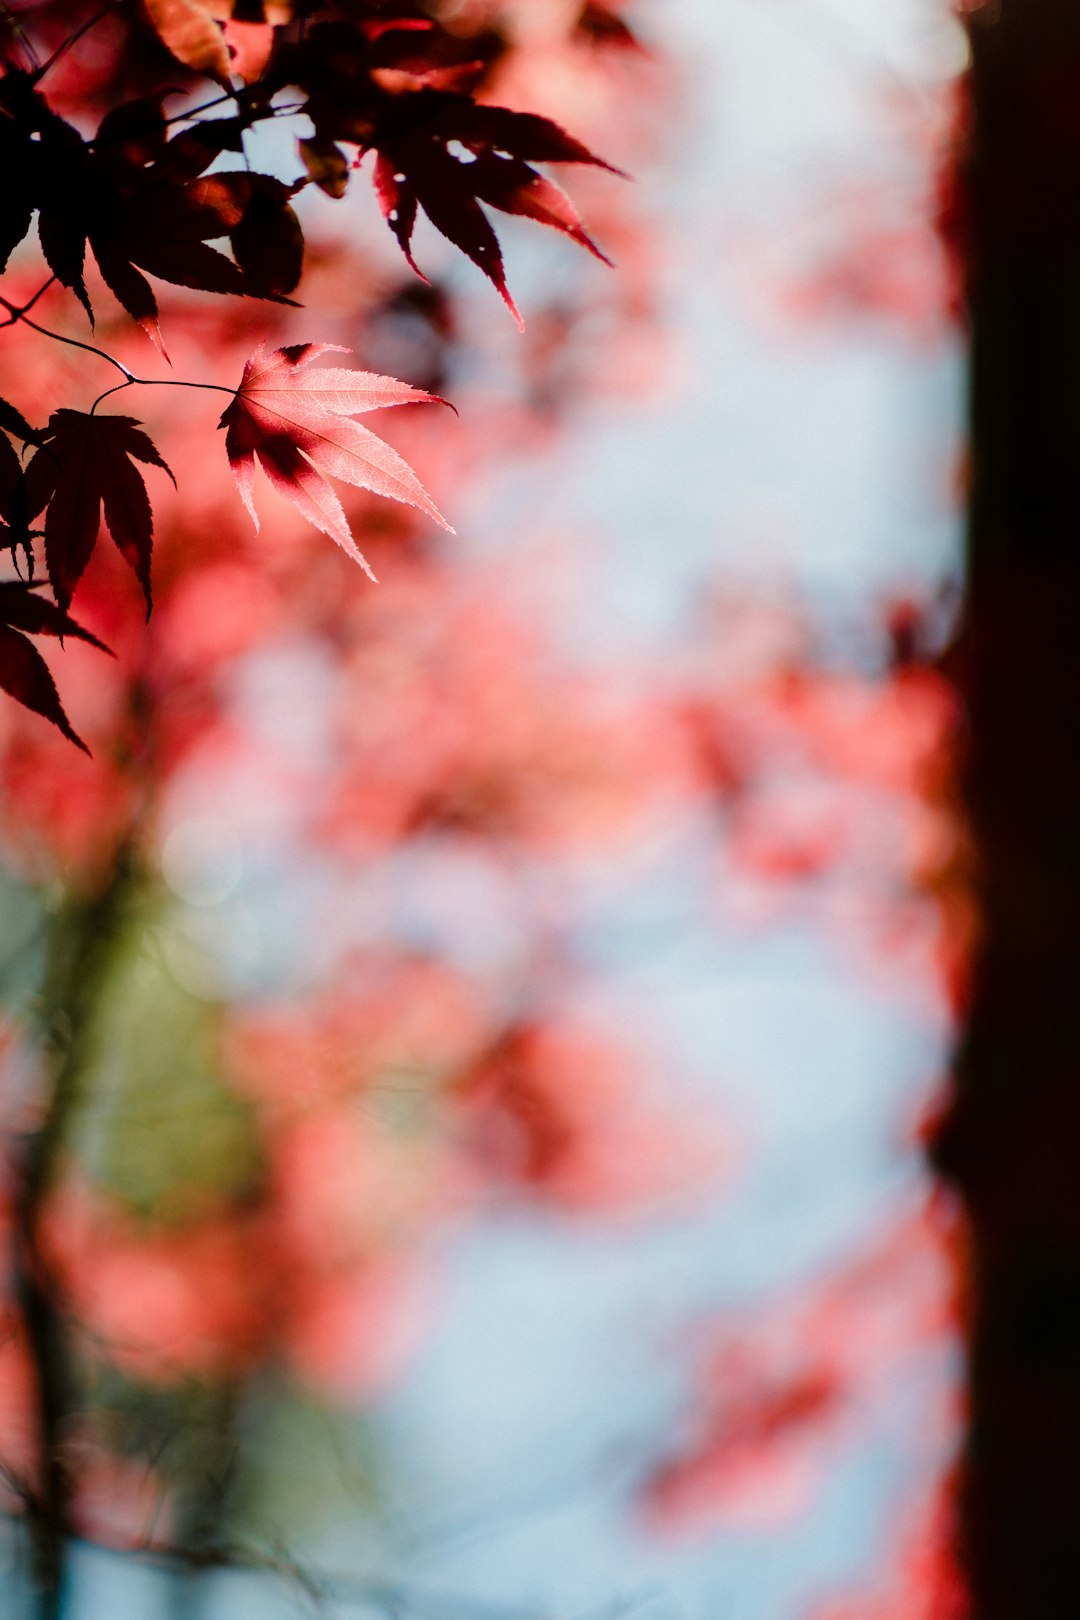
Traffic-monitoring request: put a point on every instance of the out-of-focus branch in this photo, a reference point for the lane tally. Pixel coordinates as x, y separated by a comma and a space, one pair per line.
82, 935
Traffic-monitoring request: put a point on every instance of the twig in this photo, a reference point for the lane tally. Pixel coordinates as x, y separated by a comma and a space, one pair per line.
72, 39
18, 313
58, 337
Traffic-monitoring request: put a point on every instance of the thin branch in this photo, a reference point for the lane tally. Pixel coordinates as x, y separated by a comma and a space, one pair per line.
72, 39
42, 290
205, 106
58, 337
81, 941
19, 314
189, 114
18, 311
175, 118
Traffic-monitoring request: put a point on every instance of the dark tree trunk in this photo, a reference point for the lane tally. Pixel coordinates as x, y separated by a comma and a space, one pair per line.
1011, 1143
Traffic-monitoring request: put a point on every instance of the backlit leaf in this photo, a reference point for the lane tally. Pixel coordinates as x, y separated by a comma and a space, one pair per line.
297, 423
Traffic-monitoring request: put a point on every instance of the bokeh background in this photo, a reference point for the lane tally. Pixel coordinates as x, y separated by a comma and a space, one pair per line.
494, 1186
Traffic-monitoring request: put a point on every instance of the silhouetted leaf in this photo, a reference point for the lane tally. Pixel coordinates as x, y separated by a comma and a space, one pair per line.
438, 149
24, 674
13, 421
86, 465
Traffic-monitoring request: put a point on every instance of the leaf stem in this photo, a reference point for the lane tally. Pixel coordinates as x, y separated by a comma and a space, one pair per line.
159, 382
162, 382
116, 389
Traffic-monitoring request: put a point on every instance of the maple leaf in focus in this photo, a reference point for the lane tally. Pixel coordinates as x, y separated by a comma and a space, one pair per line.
298, 424
87, 464
24, 674
437, 149
461, 154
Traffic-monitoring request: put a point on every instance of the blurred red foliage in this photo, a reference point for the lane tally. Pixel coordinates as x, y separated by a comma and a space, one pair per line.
778, 1400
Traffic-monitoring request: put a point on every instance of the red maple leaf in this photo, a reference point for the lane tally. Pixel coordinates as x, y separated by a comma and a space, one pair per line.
298, 424
24, 674
87, 464
458, 154
438, 149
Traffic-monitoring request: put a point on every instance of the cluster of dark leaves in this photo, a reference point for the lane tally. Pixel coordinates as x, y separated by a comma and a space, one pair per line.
82, 465
373, 77
140, 200
173, 197
437, 148
24, 611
